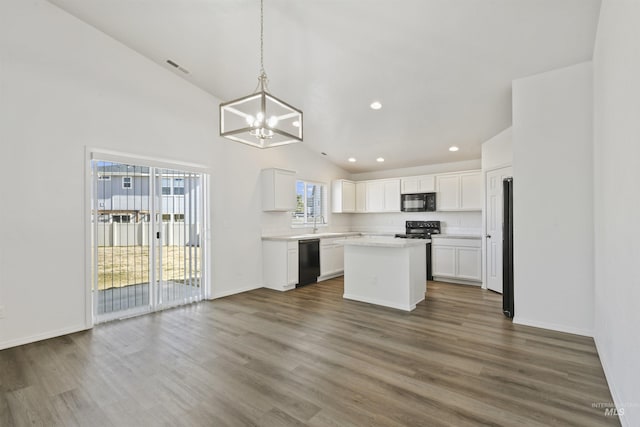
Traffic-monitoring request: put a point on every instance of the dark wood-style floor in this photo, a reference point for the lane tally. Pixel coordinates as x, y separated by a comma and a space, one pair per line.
308, 357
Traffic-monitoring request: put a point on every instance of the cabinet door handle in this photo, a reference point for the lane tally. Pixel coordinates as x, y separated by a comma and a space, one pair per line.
488, 236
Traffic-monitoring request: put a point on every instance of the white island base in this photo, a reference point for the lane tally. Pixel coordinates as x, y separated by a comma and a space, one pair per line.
385, 271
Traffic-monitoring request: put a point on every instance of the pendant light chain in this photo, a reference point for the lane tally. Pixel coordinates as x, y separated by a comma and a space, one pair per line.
262, 37
262, 78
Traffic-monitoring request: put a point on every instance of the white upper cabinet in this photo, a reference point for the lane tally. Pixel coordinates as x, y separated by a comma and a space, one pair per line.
361, 196
459, 192
375, 196
418, 184
383, 195
392, 195
471, 191
343, 196
278, 190
448, 192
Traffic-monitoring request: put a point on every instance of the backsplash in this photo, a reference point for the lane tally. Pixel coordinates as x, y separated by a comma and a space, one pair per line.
450, 222
279, 224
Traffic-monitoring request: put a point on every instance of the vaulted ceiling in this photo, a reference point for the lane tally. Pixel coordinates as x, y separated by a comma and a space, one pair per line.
442, 69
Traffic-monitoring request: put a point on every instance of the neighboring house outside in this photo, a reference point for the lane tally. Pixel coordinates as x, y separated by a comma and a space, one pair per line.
124, 202
123, 194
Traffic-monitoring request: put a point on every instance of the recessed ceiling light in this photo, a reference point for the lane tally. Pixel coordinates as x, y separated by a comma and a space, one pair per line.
296, 124
453, 148
380, 159
352, 159
376, 105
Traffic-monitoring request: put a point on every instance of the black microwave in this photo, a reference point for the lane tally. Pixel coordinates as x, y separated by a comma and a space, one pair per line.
422, 202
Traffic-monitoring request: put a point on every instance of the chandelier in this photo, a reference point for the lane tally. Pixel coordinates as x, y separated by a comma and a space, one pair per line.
260, 119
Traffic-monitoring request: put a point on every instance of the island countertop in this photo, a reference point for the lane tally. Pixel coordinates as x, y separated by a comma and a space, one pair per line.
311, 236
386, 242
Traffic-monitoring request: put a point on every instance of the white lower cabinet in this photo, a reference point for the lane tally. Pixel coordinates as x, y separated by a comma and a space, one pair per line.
292, 264
280, 264
457, 260
331, 258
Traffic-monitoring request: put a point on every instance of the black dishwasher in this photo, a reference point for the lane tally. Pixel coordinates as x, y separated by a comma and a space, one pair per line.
308, 261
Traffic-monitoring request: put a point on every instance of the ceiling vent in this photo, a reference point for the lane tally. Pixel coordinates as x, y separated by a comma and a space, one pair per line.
178, 66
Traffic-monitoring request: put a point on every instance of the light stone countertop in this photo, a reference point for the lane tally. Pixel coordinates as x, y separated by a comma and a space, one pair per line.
386, 242
310, 236
456, 236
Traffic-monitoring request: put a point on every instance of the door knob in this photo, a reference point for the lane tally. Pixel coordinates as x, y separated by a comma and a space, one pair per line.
488, 236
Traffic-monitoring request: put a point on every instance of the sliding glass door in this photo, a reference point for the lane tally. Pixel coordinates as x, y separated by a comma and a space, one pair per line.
147, 238
179, 250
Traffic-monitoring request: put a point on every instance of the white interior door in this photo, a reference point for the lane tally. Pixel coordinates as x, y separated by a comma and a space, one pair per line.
494, 227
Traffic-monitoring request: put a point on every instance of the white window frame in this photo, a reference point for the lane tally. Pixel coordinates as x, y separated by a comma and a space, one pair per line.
128, 179
308, 221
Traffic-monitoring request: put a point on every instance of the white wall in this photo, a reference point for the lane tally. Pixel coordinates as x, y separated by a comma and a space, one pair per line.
553, 200
498, 151
64, 86
617, 201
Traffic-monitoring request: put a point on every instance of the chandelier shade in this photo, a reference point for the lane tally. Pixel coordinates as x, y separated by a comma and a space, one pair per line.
260, 119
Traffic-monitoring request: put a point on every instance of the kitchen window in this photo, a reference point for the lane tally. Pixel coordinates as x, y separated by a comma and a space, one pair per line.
311, 204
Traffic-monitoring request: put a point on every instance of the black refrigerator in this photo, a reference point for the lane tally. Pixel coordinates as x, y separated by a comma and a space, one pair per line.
507, 248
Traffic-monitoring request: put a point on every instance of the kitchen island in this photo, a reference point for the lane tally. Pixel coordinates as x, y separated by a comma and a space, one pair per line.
385, 271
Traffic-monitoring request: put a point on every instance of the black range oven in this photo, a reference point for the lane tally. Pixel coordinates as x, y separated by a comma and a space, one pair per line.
422, 230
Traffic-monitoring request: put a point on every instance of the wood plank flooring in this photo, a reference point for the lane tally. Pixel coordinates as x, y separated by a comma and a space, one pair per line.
308, 357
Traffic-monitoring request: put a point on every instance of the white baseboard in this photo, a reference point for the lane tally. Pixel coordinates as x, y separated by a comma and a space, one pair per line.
234, 291
402, 307
43, 336
456, 281
553, 326
330, 276
617, 400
